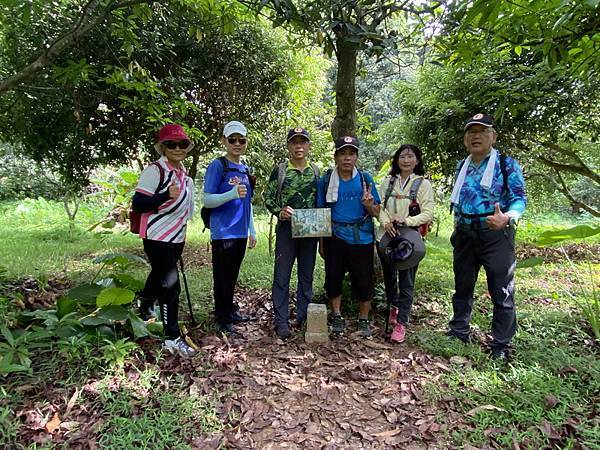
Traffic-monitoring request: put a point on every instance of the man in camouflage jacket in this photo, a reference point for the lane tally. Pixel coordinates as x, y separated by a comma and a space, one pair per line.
297, 190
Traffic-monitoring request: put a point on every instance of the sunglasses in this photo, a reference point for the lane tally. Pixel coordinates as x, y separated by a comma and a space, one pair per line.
172, 145
233, 140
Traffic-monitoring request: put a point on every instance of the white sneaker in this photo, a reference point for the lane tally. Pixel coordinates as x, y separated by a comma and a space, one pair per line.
179, 346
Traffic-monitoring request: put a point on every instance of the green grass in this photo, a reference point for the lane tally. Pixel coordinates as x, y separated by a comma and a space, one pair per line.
555, 354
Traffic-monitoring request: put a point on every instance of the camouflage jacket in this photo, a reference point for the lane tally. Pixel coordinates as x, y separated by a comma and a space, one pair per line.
299, 190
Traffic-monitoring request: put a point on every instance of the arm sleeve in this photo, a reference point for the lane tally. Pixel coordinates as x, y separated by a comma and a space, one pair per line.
142, 203
251, 228
426, 203
516, 190
272, 200
216, 200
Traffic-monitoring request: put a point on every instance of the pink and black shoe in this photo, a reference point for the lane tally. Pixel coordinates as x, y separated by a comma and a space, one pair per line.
399, 333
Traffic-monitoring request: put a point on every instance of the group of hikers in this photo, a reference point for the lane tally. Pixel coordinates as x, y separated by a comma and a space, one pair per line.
487, 199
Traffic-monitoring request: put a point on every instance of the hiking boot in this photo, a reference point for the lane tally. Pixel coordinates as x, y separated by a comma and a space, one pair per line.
399, 333
283, 331
364, 328
230, 330
298, 324
499, 353
452, 335
180, 347
236, 317
393, 317
337, 324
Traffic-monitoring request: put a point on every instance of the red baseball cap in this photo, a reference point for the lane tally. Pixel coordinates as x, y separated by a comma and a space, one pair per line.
172, 132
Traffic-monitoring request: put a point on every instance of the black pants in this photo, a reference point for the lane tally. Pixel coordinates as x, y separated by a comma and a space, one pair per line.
162, 283
399, 287
227, 256
495, 251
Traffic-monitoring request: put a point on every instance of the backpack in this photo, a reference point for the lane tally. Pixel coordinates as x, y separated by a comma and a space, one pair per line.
504, 177
135, 218
328, 178
281, 172
414, 209
204, 211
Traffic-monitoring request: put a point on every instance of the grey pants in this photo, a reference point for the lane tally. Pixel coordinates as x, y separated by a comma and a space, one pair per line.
287, 250
495, 251
399, 287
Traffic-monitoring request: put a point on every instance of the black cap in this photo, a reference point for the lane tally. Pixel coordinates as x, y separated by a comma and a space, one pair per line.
480, 119
346, 141
297, 132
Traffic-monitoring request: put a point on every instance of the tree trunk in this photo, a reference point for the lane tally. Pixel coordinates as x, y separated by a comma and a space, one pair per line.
344, 123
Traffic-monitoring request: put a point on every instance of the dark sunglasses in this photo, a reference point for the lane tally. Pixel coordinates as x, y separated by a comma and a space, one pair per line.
172, 145
233, 140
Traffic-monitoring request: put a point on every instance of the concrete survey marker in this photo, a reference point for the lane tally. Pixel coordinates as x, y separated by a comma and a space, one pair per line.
316, 324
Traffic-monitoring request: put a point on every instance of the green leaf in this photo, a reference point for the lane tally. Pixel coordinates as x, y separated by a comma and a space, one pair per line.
64, 306
85, 293
138, 326
114, 296
7, 334
529, 262
130, 177
127, 281
106, 315
578, 232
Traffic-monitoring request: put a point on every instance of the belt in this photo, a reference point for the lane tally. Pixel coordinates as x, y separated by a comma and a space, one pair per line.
354, 225
474, 226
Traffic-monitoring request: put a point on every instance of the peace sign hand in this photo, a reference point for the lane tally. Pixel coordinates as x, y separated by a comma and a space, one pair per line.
367, 199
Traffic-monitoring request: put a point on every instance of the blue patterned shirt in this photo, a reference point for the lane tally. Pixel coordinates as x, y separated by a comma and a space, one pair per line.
474, 199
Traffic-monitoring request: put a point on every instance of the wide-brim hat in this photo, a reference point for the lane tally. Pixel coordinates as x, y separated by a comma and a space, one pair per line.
403, 251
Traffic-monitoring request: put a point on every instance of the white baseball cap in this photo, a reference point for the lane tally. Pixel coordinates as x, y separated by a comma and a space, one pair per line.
234, 127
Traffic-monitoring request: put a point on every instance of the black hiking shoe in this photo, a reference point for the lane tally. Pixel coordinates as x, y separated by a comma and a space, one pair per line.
452, 335
499, 353
230, 330
364, 328
283, 331
337, 324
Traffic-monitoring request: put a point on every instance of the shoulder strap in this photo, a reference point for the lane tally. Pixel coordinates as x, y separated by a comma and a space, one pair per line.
225, 166
388, 191
315, 170
504, 173
161, 173
281, 172
414, 188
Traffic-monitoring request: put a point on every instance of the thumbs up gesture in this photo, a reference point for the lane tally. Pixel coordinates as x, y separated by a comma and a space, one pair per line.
499, 220
367, 198
173, 190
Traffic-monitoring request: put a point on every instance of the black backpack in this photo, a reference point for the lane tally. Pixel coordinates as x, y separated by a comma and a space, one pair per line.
204, 211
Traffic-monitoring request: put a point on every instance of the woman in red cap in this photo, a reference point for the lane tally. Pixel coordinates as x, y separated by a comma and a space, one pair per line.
165, 199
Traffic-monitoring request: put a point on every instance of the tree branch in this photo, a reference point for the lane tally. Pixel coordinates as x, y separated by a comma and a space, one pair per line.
85, 23
562, 187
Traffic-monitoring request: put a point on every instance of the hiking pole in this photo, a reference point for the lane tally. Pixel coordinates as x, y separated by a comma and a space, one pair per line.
187, 291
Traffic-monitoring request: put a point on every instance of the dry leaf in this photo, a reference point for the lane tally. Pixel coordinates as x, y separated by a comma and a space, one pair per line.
53, 424
71, 402
389, 433
484, 408
550, 401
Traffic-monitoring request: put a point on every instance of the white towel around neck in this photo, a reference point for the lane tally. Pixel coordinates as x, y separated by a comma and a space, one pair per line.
486, 179
334, 185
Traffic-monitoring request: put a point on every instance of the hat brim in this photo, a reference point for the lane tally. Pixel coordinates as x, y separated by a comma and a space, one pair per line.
418, 252
298, 134
347, 145
475, 122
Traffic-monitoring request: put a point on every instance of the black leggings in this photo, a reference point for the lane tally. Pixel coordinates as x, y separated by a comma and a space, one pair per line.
163, 282
227, 256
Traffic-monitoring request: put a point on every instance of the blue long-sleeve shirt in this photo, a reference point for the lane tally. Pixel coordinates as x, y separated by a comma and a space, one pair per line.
474, 199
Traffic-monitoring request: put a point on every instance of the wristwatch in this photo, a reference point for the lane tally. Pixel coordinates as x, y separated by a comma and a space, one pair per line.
511, 222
